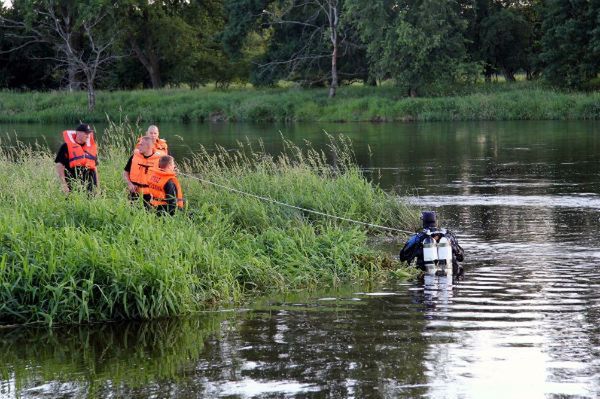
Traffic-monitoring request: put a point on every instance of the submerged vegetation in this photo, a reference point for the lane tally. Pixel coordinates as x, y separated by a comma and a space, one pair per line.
93, 258
501, 101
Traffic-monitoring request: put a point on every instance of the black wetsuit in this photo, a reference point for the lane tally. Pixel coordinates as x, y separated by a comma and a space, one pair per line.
414, 249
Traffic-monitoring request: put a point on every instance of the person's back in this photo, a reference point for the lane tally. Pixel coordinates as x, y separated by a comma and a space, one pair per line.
414, 248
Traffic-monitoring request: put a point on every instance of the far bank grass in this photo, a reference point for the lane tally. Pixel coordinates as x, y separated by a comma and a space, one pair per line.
497, 101
84, 259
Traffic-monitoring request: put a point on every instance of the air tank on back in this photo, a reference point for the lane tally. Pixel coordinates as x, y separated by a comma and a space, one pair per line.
430, 255
444, 253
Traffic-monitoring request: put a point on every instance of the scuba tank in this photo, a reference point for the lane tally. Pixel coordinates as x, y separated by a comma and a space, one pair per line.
430, 254
444, 252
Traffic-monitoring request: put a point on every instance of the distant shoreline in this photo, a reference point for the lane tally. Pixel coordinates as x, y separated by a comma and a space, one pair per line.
494, 102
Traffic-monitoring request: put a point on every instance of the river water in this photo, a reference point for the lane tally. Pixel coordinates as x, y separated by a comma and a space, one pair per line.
523, 199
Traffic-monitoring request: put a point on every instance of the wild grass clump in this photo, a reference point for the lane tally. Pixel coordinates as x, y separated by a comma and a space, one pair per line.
97, 257
492, 101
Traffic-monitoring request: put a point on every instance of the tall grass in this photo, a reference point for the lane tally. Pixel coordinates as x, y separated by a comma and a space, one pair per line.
499, 101
92, 258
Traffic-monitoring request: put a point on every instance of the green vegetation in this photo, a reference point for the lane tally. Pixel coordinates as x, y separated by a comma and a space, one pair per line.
97, 258
419, 44
501, 101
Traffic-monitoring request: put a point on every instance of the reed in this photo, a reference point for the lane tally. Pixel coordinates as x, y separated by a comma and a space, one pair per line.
94, 258
499, 101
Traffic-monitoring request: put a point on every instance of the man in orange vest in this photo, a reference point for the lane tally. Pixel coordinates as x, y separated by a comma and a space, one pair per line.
138, 168
77, 159
164, 187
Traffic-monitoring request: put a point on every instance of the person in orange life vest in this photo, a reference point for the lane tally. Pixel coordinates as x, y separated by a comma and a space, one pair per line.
164, 187
138, 168
77, 159
159, 144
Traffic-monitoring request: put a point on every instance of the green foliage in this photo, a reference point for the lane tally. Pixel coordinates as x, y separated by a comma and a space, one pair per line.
417, 42
174, 41
92, 258
504, 37
571, 42
426, 46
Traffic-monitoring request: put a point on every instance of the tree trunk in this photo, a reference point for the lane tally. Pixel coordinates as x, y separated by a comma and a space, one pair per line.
333, 24
334, 74
154, 71
149, 62
91, 95
509, 75
487, 72
72, 77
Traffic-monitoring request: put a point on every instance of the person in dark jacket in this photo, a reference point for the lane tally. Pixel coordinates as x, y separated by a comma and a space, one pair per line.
414, 245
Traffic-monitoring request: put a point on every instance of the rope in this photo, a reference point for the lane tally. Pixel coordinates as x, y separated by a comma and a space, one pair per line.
273, 201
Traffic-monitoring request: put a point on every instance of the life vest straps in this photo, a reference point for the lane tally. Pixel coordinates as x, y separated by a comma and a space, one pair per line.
81, 155
86, 155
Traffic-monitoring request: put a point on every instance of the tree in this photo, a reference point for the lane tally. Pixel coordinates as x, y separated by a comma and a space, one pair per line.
24, 67
570, 43
417, 42
76, 31
504, 39
309, 40
174, 40
503, 35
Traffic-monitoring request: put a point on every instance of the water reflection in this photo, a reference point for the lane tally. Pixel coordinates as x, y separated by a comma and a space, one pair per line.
100, 360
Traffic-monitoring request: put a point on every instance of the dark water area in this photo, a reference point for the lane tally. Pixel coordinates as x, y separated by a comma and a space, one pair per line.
524, 201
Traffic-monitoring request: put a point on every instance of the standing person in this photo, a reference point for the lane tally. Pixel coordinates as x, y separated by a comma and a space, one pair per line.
159, 144
77, 159
138, 168
164, 187
414, 245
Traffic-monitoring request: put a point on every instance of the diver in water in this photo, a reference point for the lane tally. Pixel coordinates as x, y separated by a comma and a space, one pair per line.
431, 247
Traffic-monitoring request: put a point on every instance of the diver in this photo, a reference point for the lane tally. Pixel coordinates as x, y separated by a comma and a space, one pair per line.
434, 248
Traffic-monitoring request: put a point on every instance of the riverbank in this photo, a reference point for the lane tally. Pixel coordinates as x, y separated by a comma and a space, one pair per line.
85, 259
498, 101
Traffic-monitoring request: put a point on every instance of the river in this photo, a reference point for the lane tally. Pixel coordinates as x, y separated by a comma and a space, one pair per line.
524, 201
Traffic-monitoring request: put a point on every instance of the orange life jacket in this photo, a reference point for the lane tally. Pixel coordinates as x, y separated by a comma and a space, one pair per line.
156, 187
141, 168
159, 145
84, 155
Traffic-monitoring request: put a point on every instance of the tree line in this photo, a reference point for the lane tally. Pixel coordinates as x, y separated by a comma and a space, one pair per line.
421, 45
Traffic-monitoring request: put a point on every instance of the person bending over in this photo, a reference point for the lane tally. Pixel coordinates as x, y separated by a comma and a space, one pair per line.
165, 190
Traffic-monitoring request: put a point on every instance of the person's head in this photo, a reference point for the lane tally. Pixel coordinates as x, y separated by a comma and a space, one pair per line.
82, 133
152, 132
429, 219
146, 146
167, 163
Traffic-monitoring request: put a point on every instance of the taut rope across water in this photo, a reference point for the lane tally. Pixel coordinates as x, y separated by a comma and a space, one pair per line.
273, 201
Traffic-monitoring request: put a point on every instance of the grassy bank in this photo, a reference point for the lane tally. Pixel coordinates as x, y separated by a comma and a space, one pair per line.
86, 259
500, 101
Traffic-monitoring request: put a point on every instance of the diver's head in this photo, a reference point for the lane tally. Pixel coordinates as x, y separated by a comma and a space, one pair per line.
429, 220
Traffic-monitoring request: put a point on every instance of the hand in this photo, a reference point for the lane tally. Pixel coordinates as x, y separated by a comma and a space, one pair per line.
65, 188
131, 187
